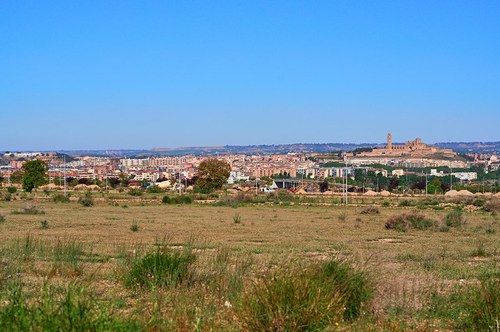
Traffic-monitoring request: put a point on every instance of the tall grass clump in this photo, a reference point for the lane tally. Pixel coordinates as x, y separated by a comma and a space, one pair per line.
454, 218
29, 209
60, 198
370, 210
86, 200
305, 298
72, 308
473, 307
403, 222
182, 199
160, 268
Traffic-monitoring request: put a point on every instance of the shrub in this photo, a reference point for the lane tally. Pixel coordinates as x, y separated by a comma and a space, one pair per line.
305, 298
60, 198
182, 199
44, 224
406, 202
478, 202
8, 197
154, 190
28, 209
161, 268
386, 203
237, 218
370, 210
11, 190
135, 192
492, 205
86, 200
454, 218
134, 227
404, 221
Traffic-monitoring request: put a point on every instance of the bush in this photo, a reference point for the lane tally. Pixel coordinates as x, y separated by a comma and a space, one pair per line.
404, 221
8, 197
305, 298
182, 199
28, 209
135, 192
60, 198
134, 227
44, 224
161, 268
454, 218
86, 200
2, 217
237, 218
370, 210
11, 189
492, 205
154, 190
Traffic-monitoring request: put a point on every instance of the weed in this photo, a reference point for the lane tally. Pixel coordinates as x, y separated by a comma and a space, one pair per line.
342, 217
386, 203
237, 218
44, 224
134, 227
479, 251
2, 218
11, 190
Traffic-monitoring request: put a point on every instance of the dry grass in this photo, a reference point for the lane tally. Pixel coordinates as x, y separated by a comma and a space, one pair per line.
405, 267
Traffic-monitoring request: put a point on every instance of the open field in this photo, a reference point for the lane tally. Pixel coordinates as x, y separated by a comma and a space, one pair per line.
421, 279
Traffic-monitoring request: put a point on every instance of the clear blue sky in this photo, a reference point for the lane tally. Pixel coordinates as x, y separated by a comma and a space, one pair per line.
144, 74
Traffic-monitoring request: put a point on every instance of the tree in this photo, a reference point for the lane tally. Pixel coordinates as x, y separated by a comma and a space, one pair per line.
34, 174
212, 174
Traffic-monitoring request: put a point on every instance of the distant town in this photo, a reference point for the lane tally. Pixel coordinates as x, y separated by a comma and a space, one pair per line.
412, 167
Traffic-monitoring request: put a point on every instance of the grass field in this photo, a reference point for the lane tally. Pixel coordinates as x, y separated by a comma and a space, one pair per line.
128, 263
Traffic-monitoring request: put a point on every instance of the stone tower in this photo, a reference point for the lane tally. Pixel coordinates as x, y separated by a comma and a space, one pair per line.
389, 141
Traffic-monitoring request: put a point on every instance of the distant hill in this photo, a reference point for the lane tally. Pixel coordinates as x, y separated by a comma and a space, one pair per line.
461, 147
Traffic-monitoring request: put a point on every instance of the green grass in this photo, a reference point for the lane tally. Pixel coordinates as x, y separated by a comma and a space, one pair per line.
160, 268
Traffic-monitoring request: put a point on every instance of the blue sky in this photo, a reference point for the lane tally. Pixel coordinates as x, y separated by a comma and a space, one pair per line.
144, 74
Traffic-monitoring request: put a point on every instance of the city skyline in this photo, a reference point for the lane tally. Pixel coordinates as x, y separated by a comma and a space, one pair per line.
121, 75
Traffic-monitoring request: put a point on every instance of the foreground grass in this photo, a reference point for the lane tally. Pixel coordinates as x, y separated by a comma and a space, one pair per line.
192, 267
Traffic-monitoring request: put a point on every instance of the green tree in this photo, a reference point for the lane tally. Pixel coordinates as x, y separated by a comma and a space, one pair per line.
34, 174
212, 174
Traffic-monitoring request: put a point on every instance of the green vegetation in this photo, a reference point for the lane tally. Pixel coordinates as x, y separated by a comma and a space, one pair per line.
161, 268
34, 174
212, 175
182, 199
86, 200
403, 222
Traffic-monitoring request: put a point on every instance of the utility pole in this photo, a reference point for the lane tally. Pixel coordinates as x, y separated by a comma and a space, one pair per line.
64, 173
451, 178
345, 159
425, 184
179, 164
